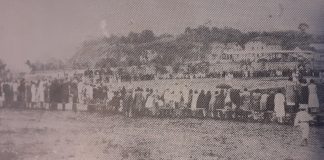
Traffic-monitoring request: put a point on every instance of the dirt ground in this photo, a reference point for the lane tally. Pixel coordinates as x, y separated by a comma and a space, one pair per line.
53, 135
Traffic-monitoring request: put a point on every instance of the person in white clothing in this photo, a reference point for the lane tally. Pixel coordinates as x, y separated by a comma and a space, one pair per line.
185, 94
15, 90
279, 106
80, 92
150, 103
194, 101
313, 102
41, 93
33, 94
302, 120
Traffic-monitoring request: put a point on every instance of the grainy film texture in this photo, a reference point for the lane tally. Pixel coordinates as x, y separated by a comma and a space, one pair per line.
161, 79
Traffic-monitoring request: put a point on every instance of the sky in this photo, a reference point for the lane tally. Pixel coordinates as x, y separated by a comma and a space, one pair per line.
42, 29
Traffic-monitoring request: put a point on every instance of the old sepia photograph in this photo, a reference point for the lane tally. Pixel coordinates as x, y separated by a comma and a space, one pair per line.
161, 79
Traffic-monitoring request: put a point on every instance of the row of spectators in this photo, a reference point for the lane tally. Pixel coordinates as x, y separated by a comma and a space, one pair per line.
224, 102
126, 77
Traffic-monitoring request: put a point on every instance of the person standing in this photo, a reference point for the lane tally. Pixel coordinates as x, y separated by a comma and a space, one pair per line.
138, 101
246, 103
81, 89
313, 102
279, 107
303, 94
33, 94
6, 92
41, 93
65, 93
115, 102
207, 100
22, 93
219, 103
185, 94
1, 94
150, 104
291, 97
201, 101
128, 106
211, 104
46, 93
28, 94
193, 106
74, 93
302, 120
256, 97
263, 101
15, 86
54, 94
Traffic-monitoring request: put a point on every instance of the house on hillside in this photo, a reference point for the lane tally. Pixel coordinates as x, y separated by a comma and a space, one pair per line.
218, 51
318, 62
263, 43
232, 47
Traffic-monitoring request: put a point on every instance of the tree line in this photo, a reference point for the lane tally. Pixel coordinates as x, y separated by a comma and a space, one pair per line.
125, 50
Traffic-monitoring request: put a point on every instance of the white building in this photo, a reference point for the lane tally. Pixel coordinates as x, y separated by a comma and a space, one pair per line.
263, 43
219, 50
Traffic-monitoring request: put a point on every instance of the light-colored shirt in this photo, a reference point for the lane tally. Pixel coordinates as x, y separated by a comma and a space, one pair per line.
302, 117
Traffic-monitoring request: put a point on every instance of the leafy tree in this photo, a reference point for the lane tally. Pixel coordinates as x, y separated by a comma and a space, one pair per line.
303, 27
147, 36
4, 72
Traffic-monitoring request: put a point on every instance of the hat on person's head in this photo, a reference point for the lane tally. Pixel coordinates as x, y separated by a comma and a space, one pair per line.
303, 107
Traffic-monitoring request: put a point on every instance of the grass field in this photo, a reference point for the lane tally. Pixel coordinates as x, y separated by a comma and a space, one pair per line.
53, 135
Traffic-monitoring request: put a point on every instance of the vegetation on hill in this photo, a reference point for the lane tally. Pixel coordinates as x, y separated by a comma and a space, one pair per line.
193, 43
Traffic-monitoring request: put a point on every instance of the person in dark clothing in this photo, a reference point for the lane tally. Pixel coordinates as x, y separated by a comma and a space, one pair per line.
190, 98
1, 88
270, 101
115, 101
207, 99
128, 102
201, 99
201, 102
219, 103
139, 101
256, 96
54, 94
270, 107
7, 94
303, 94
187, 110
22, 93
95, 92
74, 93
65, 93
235, 97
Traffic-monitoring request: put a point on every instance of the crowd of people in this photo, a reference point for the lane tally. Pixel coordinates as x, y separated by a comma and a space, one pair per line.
172, 101
110, 76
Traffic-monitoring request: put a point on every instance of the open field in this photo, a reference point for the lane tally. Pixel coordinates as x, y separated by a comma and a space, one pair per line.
41, 135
